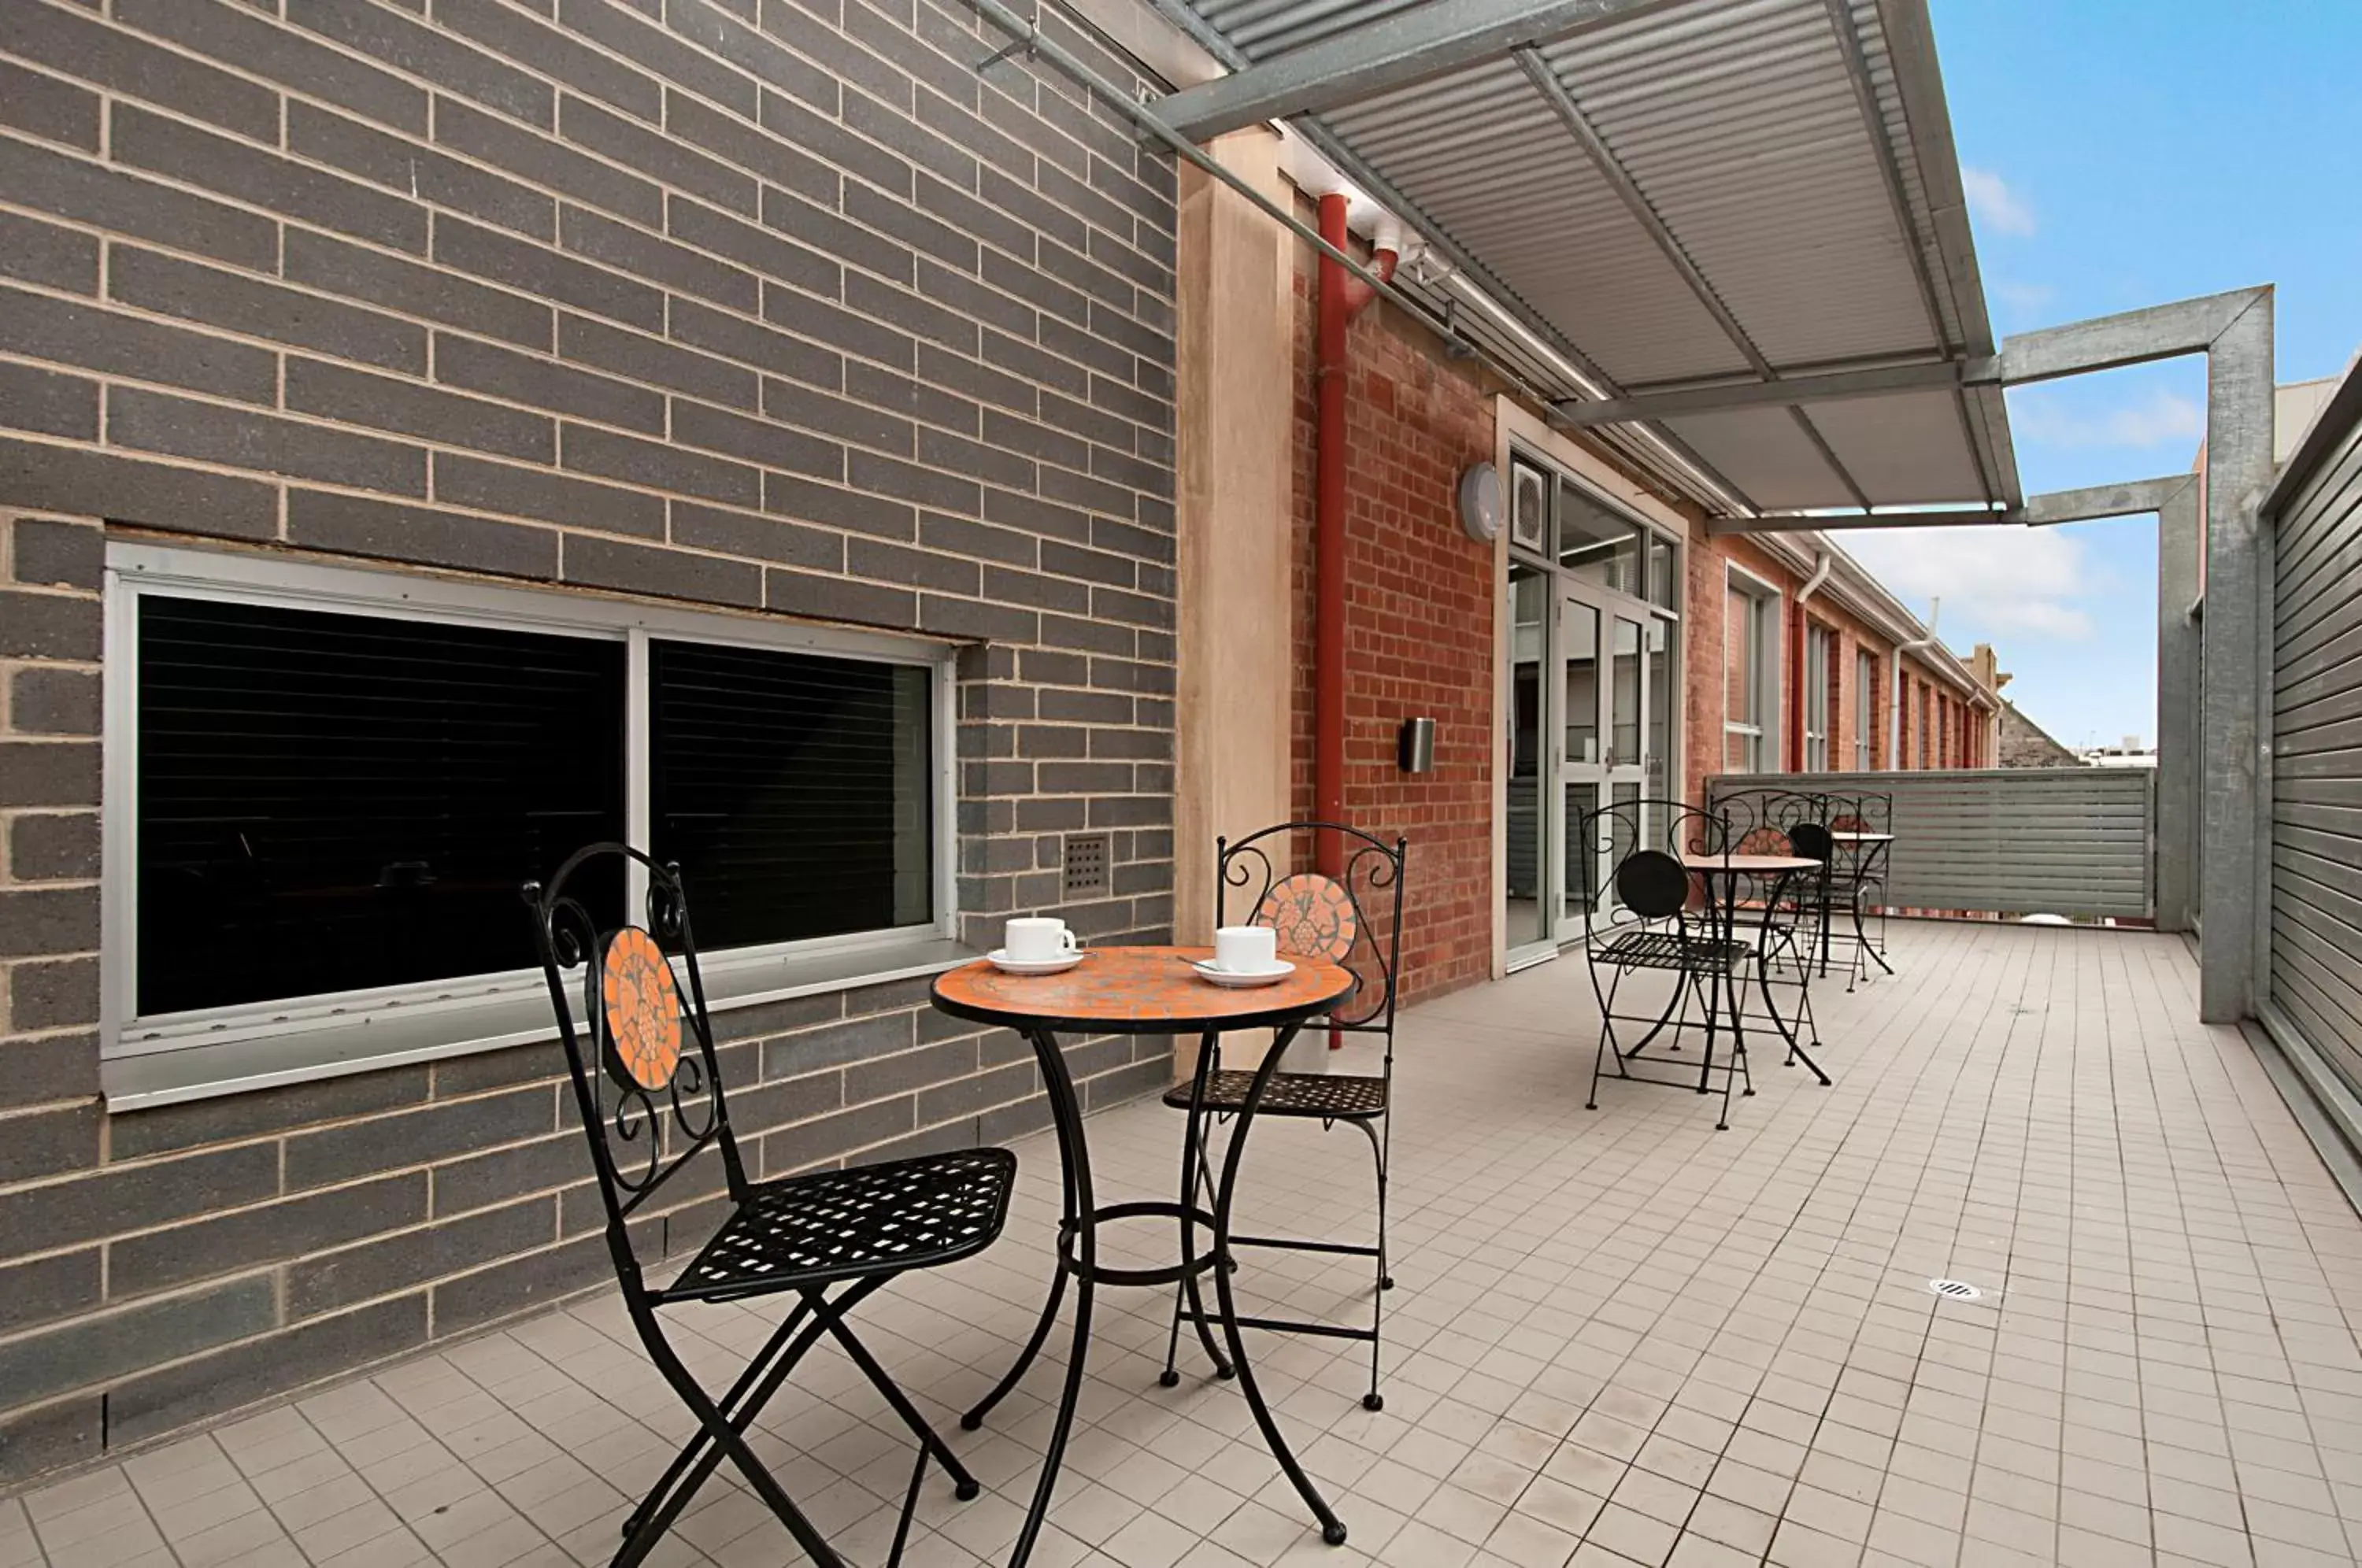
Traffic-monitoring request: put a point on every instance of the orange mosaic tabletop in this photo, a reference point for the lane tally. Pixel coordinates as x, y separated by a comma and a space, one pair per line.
1138, 990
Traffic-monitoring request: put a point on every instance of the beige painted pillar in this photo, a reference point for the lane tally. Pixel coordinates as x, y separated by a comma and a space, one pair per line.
1234, 411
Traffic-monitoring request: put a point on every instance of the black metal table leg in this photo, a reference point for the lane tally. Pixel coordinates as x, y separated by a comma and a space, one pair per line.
1788, 1032
1073, 1158
1333, 1528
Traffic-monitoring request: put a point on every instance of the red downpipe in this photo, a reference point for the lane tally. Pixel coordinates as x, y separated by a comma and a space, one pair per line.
1343, 297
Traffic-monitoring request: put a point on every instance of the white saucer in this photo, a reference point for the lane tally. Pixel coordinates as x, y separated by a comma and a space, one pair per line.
1241, 979
1000, 959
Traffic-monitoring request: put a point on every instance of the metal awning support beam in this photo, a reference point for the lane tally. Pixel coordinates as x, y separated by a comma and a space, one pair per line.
2136, 499
2133, 337
1834, 387
1426, 40
2103, 343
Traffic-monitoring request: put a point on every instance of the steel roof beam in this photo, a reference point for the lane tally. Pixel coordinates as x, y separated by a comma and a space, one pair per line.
1898, 207
1409, 46
1835, 387
2137, 498
1439, 240
1660, 233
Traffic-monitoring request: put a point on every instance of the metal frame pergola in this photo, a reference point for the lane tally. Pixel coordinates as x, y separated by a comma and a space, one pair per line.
1299, 61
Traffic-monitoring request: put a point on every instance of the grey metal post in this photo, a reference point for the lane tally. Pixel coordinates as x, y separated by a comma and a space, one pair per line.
2177, 709
2233, 765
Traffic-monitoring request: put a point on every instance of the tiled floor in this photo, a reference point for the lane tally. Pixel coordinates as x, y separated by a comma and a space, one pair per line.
1619, 1337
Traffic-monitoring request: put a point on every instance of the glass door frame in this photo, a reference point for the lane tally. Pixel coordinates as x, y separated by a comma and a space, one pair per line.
1558, 919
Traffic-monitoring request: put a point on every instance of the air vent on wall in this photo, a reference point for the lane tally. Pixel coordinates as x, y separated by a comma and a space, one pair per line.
1085, 862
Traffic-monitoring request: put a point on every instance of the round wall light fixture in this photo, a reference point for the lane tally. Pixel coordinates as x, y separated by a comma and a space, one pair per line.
1480, 502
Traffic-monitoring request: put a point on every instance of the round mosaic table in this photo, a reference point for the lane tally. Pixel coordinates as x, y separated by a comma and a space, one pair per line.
1139, 990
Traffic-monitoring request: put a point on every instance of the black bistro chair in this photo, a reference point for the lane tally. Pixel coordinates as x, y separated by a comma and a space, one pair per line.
1318, 916
1860, 876
651, 1102
1643, 910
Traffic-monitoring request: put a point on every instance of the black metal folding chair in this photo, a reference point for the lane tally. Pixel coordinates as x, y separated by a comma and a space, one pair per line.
1321, 917
650, 1102
1646, 913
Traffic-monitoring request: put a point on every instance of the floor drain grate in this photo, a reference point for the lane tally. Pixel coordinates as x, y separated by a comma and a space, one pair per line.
1955, 1290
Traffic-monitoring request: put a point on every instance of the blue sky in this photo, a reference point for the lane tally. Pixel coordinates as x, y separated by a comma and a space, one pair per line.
2120, 154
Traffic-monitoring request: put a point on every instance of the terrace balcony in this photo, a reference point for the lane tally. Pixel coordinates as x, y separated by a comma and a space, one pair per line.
1619, 1337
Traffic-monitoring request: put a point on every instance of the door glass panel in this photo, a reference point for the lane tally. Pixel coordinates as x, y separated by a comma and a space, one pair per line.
1657, 755
1529, 604
1624, 699
1664, 591
1579, 628
1586, 871
1596, 544
1579, 632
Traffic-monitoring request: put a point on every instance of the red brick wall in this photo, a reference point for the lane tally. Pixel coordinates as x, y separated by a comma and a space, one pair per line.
1419, 633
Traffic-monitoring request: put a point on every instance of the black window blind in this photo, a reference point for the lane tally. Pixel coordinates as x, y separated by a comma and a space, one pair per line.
792, 789
333, 801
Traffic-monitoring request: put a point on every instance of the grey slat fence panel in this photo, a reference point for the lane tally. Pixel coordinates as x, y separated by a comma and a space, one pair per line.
2014, 841
2315, 974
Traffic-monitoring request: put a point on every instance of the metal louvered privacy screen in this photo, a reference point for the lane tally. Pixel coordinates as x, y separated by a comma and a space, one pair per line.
2316, 732
791, 788
2012, 841
333, 801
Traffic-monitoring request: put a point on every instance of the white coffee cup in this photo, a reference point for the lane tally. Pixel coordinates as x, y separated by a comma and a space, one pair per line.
1246, 949
1034, 938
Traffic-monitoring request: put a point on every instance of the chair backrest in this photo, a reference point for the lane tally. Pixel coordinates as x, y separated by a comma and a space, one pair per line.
1354, 918
1641, 842
1760, 816
1871, 813
641, 1053
1811, 840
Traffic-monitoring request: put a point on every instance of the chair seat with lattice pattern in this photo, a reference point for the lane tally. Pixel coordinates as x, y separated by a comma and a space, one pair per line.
833, 1225
1331, 1097
1670, 950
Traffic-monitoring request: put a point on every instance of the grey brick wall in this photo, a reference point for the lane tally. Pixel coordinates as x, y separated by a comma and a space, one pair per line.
777, 307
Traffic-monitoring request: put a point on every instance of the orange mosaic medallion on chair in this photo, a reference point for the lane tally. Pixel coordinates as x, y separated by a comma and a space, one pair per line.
642, 1004
1313, 916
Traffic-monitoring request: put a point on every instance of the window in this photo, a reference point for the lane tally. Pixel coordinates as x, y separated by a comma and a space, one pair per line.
1750, 655
1865, 708
1926, 727
1597, 543
327, 786
1820, 663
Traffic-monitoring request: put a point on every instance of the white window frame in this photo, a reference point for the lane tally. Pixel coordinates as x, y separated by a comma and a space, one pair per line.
1763, 737
1819, 643
477, 1011
1865, 681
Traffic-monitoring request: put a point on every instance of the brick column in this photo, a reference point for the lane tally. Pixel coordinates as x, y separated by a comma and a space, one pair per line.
51, 628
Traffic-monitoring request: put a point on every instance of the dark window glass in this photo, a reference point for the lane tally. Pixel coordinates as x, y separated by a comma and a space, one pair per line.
792, 789
332, 801
1596, 542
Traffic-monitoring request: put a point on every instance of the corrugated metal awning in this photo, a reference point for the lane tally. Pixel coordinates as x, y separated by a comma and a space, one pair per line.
1679, 197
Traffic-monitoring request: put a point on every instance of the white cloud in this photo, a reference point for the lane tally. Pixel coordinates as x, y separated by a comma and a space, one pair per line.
1991, 579
1989, 198
2162, 419
2025, 301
